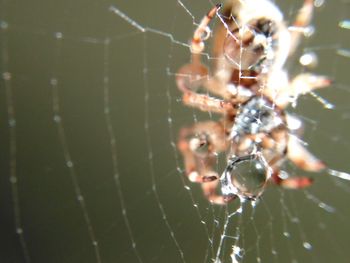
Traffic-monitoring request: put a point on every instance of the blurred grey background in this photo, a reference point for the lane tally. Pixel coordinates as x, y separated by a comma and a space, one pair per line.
142, 91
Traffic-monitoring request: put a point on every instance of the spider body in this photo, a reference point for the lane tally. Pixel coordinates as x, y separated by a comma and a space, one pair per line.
258, 135
257, 115
251, 90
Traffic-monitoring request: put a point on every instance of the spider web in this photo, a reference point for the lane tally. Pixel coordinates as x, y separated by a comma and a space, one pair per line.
90, 116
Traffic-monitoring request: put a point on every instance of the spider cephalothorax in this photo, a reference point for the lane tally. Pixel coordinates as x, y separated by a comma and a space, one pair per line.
251, 45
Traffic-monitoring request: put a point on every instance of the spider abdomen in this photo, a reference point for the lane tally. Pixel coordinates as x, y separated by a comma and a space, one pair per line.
257, 115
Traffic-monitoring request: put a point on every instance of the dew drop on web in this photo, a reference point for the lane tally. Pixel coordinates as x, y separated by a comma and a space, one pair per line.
245, 178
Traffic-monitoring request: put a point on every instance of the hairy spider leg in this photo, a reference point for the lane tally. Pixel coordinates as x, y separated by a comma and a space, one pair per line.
297, 154
300, 85
302, 20
301, 157
202, 32
209, 190
195, 74
291, 182
207, 103
199, 145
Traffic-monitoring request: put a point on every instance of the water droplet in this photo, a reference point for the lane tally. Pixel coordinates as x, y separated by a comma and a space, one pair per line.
344, 24
309, 60
58, 35
13, 179
57, 118
309, 31
6, 75
69, 164
286, 234
237, 251
326, 207
329, 106
245, 177
319, 3
254, 203
307, 245
12, 122
343, 52
295, 220
4, 25
53, 81
339, 174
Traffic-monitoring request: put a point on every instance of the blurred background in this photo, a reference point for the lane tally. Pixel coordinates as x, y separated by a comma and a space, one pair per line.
89, 119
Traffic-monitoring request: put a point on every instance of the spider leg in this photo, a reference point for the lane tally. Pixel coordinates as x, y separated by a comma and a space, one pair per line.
301, 157
202, 31
196, 69
302, 20
195, 74
300, 85
192, 76
209, 190
199, 146
291, 182
305, 83
296, 153
207, 103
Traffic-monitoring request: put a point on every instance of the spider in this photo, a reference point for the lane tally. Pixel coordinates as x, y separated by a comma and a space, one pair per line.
249, 87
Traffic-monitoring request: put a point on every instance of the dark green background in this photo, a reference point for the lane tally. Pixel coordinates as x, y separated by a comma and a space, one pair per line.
52, 220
